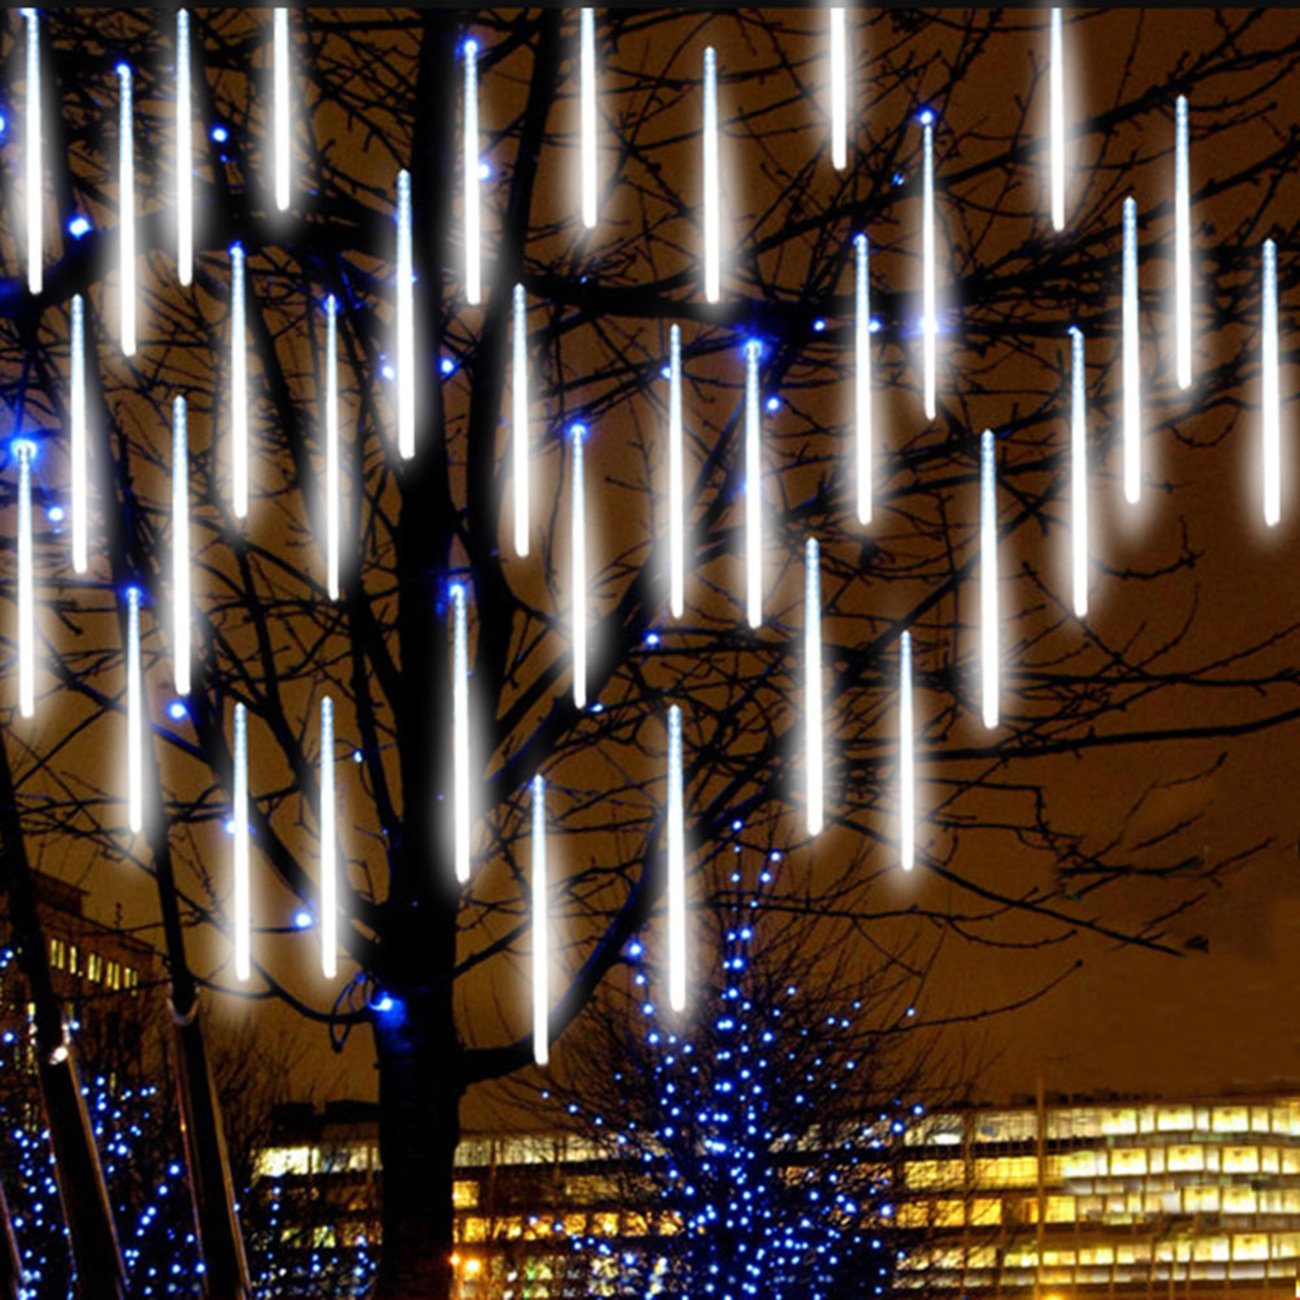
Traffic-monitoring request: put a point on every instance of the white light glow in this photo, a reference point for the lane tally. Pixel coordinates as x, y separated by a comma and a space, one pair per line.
184, 152
329, 885
579, 569
753, 488
1078, 474
1182, 246
1057, 93
1270, 397
405, 321
473, 215
1132, 360
676, 486
712, 185
243, 872
839, 89
519, 434
813, 723
906, 757
676, 865
332, 521
862, 379
25, 452
134, 715
33, 157
126, 207
180, 549
460, 731
588, 93
282, 80
238, 386
990, 651
929, 272
77, 450
541, 930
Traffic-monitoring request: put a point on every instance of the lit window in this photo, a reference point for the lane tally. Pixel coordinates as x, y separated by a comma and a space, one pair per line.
57, 954
72, 958
94, 967
464, 1194
1128, 1162
1230, 1119
1250, 1245
1241, 1160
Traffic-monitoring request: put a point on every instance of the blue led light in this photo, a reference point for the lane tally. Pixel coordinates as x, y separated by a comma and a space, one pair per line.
773, 404
20, 447
484, 171
819, 325
4, 124
388, 371
358, 756
652, 639
78, 226
219, 134
447, 365
898, 178
55, 514
925, 117
302, 919
177, 711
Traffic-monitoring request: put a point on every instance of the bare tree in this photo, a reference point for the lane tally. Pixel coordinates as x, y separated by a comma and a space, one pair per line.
379, 91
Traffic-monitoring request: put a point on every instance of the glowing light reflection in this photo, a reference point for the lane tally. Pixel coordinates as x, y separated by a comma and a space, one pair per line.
990, 651
541, 929
181, 612
813, 703
676, 865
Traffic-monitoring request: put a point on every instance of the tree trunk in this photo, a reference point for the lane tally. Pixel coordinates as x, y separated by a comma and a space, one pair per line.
419, 1128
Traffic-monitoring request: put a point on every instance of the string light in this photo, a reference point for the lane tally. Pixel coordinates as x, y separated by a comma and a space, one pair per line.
588, 93
929, 271
1271, 398
332, 522
541, 929
238, 385
473, 218
579, 569
676, 865
328, 839
712, 197
989, 631
812, 614
77, 441
1182, 246
180, 549
460, 731
519, 434
862, 377
126, 207
33, 157
25, 451
243, 881
184, 153
1132, 360
906, 757
1079, 475
134, 714
405, 321
281, 33
753, 487
676, 489
1057, 92
839, 88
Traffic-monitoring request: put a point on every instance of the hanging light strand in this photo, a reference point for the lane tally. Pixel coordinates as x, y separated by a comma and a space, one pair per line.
405, 321
25, 452
184, 153
1079, 474
238, 386
1182, 246
676, 486
281, 91
712, 184
126, 208
862, 379
541, 929
1132, 360
134, 714
329, 885
332, 505
906, 757
1057, 93
813, 702
753, 488
519, 434
676, 865
77, 441
460, 731
989, 630
929, 271
33, 157
1271, 400
243, 871
588, 96
181, 596
473, 215
839, 88
579, 568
